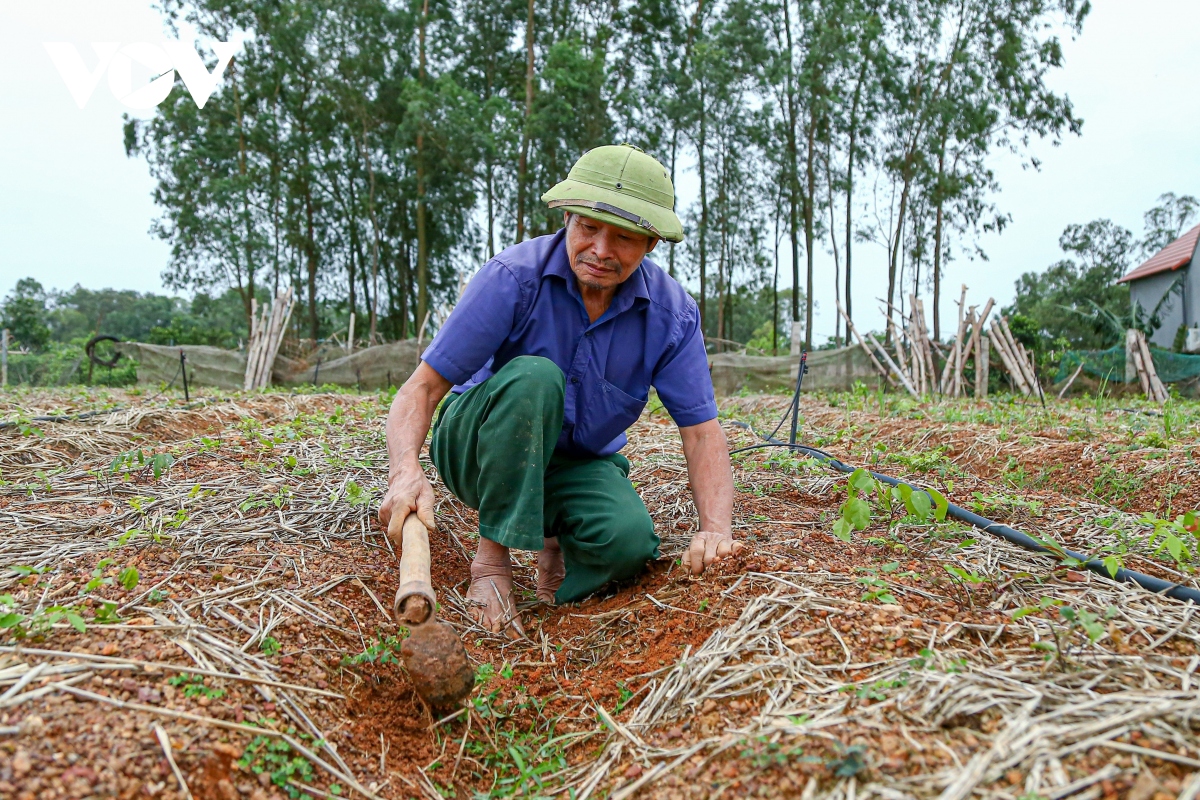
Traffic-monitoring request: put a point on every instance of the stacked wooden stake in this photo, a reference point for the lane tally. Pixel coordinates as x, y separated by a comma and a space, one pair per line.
968, 342
853, 330
915, 365
266, 334
1016, 359
1138, 352
918, 336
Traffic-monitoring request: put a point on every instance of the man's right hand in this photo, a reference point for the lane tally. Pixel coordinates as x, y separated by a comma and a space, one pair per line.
408, 490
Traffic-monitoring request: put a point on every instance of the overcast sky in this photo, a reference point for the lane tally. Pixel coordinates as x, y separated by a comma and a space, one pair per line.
75, 209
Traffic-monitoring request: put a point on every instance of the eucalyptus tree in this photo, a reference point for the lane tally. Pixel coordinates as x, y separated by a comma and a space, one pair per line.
364, 150
492, 68
209, 187
855, 106
969, 77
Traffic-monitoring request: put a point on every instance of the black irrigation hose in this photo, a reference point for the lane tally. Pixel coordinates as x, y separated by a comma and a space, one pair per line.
90, 350
1147, 582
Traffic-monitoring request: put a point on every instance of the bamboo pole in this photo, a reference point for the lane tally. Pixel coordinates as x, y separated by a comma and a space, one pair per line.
1067, 385
892, 365
955, 374
281, 313
1019, 356
1158, 392
926, 346
918, 358
968, 349
285, 318
251, 345
947, 369
1028, 362
899, 347
972, 345
349, 336
267, 329
850, 324
982, 366
1007, 357
1136, 353
268, 321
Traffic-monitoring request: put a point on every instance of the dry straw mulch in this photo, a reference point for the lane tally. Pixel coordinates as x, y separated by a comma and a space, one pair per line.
810, 668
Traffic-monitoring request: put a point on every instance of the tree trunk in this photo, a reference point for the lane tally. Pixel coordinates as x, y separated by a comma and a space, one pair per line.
674, 147
703, 209
862, 76
355, 246
371, 309
491, 167
422, 234
937, 248
793, 171
810, 198
491, 205
775, 294
248, 294
310, 247
722, 260
837, 266
403, 281
897, 244
523, 161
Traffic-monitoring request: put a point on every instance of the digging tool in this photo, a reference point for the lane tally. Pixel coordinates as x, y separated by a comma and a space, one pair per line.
433, 654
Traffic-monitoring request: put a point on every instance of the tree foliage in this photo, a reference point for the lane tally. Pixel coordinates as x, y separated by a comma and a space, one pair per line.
372, 153
1078, 299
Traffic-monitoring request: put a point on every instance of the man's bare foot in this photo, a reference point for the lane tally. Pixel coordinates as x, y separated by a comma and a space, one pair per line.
551, 570
493, 604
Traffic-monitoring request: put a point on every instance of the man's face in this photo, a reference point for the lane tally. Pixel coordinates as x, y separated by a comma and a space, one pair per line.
603, 256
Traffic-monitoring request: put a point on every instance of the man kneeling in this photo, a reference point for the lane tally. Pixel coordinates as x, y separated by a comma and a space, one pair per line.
549, 357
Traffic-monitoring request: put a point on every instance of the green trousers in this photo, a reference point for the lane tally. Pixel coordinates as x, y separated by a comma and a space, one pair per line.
494, 448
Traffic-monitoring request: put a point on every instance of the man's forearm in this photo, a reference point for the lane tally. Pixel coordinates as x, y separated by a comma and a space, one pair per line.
707, 454
410, 416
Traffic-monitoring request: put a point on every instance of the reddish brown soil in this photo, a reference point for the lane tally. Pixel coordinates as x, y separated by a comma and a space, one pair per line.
574, 658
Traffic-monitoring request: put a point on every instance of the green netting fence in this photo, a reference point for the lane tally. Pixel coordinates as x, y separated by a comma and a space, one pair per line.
1110, 364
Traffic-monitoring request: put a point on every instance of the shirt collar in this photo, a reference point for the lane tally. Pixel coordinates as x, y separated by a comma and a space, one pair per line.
628, 293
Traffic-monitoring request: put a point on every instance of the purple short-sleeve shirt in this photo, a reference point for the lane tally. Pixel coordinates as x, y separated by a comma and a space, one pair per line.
526, 301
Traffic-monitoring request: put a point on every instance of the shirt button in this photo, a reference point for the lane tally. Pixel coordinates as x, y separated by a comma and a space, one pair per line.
587, 333
574, 379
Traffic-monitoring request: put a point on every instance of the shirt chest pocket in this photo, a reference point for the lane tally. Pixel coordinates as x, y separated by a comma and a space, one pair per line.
608, 410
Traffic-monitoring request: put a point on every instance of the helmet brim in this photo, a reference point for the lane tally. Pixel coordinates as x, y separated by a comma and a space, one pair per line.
663, 222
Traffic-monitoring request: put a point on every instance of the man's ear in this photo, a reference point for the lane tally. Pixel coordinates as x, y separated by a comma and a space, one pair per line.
566, 218
653, 244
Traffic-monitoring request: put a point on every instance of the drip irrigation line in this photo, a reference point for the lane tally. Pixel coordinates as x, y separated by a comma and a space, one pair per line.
1147, 582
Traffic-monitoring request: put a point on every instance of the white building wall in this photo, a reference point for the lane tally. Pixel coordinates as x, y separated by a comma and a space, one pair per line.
1148, 292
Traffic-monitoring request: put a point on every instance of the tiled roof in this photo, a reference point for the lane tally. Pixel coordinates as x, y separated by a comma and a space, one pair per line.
1175, 255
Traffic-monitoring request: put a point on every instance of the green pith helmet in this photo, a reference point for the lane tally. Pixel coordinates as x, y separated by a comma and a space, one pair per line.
620, 185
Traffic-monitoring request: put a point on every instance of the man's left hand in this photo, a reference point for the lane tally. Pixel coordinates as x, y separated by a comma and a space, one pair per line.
707, 547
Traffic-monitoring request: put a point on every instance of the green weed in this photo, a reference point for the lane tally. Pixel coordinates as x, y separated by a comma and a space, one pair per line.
766, 754
274, 757
126, 462
194, 686
382, 650
1116, 487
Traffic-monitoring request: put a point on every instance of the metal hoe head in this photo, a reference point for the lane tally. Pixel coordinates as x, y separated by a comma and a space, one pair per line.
437, 663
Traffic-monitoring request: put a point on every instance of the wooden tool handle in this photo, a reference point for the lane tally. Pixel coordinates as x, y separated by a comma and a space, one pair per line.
415, 600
